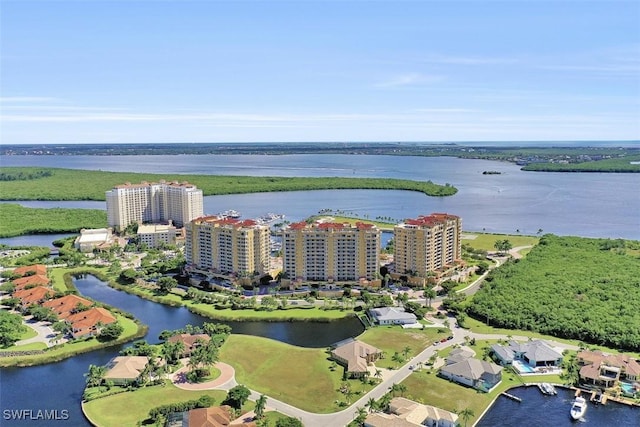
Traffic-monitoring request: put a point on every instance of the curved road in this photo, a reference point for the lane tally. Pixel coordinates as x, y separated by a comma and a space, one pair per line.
344, 417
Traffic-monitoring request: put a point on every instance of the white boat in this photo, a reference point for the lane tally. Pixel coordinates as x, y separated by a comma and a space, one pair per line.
547, 388
230, 214
578, 408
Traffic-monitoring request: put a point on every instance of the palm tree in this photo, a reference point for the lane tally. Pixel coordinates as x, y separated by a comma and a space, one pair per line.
372, 405
261, 403
361, 415
466, 414
384, 402
95, 375
429, 294
406, 351
378, 373
402, 389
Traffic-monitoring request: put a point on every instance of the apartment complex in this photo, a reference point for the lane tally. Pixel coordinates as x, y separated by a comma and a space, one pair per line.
427, 244
157, 235
227, 245
327, 251
156, 202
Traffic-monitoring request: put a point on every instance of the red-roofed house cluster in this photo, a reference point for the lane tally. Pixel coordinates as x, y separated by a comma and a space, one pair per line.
33, 288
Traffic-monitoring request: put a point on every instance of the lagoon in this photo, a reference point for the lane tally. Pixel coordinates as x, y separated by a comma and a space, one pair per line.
603, 205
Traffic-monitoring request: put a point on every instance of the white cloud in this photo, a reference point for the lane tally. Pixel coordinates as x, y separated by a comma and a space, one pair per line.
409, 79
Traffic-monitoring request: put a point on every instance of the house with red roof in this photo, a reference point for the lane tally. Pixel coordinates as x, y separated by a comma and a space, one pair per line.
35, 295
67, 305
40, 269
31, 281
90, 322
190, 341
607, 370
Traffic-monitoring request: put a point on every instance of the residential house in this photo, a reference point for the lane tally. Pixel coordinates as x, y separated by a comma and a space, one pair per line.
67, 305
355, 356
606, 370
392, 316
190, 341
535, 353
471, 372
31, 281
36, 269
35, 295
214, 416
404, 412
122, 370
89, 322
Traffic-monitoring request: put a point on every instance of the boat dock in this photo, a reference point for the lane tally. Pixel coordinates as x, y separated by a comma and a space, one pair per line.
511, 396
598, 397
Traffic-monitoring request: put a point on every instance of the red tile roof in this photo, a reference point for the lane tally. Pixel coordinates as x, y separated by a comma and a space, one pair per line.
35, 269
431, 220
36, 280
85, 322
33, 295
64, 306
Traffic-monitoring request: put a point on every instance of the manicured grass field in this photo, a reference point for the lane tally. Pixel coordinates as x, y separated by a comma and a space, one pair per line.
485, 241
299, 376
391, 339
126, 409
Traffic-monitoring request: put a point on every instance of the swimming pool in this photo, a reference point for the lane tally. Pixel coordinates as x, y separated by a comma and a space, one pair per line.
627, 389
522, 367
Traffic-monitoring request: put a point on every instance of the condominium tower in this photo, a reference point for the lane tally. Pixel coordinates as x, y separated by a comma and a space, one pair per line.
327, 251
227, 246
427, 243
155, 202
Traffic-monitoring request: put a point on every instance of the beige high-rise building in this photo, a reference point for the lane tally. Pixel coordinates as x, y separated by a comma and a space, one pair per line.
327, 251
227, 246
427, 243
155, 202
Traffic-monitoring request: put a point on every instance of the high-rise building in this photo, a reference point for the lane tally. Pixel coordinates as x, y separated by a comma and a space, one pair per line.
427, 244
227, 246
156, 202
327, 251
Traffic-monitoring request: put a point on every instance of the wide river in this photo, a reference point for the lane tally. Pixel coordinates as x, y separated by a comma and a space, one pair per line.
580, 204
590, 205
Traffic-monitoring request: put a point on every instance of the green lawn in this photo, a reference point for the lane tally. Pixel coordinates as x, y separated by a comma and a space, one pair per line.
391, 339
29, 333
426, 387
26, 347
485, 241
299, 376
126, 409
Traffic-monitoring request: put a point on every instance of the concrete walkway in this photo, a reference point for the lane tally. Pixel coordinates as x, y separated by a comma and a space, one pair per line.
45, 335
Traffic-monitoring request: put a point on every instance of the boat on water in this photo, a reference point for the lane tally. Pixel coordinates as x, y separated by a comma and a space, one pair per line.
270, 217
578, 408
547, 388
230, 214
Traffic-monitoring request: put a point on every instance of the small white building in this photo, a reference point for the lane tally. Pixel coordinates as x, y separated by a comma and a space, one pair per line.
155, 235
95, 238
392, 316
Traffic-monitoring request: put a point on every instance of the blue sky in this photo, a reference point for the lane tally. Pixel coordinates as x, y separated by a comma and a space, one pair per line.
250, 71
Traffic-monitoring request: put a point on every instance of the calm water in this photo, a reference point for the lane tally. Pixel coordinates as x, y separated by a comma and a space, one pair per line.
594, 205
537, 409
581, 204
32, 388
